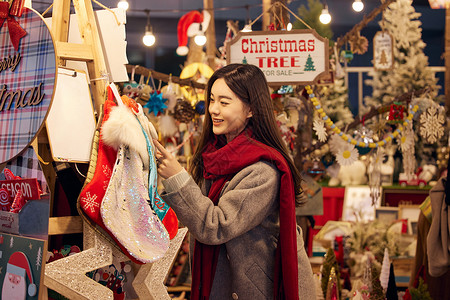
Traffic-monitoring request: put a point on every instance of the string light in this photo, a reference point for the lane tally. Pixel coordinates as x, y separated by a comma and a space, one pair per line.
358, 5
123, 4
149, 38
325, 16
200, 39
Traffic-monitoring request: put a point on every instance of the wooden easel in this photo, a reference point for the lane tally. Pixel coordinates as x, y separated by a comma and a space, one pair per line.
89, 51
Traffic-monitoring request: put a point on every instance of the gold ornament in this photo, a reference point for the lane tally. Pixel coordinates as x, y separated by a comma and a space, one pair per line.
149, 281
358, 44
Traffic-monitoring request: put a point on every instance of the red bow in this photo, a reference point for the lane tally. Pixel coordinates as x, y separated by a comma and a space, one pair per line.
15, 31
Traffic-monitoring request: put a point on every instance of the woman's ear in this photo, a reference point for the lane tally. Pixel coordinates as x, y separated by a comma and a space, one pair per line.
249, 114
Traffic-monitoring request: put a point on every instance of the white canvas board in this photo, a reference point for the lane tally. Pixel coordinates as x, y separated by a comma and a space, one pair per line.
71, 122
113, 39
358, 204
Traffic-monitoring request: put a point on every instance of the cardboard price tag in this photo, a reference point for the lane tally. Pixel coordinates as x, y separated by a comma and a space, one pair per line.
29, 187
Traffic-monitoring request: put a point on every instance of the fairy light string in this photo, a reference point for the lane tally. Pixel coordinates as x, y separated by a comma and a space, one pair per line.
412, 110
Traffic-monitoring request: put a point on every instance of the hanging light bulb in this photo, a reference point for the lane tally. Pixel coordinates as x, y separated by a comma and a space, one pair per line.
200, 39
289, 26
149, 38
325, 17
123, 4
358, 5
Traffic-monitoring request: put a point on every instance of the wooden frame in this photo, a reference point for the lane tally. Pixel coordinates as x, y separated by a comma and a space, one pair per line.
410, 212
357, 199
386, 214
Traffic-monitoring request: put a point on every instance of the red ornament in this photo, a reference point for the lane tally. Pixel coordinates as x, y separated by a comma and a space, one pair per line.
396, 113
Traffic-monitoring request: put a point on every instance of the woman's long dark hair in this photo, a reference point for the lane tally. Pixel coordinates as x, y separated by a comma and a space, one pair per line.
249, 84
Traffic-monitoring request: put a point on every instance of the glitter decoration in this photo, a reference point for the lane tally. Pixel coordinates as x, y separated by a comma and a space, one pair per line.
126, 213
149, 281
67, 275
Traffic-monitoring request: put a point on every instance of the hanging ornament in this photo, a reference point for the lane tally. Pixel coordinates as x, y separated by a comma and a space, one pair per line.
396, 113
184, 112
375, 174
170, 93
383, 51
409, 161
358, 44
156, 103
431, 125
321, 132
332, 288
363, 135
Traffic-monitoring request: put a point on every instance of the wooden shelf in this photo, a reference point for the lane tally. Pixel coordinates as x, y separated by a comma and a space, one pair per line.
180, 288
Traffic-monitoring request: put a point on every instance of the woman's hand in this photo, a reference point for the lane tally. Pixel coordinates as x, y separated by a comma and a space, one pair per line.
168, 165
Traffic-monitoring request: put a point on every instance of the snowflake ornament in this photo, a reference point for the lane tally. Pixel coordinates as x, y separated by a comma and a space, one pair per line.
156, 103
347, 156
319, 127
431, 125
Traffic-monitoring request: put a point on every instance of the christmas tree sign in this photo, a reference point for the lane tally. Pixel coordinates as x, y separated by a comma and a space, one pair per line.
383, 53
285, 57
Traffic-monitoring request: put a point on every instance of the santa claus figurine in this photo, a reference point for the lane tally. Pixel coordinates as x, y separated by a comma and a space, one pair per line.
14, 284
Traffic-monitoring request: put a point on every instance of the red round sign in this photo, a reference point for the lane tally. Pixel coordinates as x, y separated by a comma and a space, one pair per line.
27, 79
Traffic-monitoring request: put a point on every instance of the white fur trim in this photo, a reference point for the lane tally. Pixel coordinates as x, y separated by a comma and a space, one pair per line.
122, 127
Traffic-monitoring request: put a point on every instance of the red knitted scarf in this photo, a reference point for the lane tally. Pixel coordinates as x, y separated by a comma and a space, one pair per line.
220, 165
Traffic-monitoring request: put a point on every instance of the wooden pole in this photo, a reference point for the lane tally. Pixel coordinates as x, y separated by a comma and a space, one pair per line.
266, 17
447, 60
211, 49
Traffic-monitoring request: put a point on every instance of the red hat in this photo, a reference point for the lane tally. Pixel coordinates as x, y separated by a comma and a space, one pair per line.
18, 264
189, 25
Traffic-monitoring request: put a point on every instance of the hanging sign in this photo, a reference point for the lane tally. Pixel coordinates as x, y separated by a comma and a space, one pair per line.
285, 57
383, 51
27, 77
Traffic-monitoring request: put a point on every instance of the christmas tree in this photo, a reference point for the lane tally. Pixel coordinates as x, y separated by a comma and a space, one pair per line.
334, 100
309, 65
383, 58
410, 70
328, 264
376, 292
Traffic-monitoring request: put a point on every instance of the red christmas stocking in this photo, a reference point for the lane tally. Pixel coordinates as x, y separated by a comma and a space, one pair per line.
93, 192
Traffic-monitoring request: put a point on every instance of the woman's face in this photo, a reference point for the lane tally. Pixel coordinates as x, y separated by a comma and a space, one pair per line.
228, 113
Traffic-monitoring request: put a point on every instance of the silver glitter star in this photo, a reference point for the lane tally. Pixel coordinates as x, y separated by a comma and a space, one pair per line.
67, 275
149, 281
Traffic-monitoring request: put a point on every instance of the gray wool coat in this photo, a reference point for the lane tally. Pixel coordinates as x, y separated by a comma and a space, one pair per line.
245, 224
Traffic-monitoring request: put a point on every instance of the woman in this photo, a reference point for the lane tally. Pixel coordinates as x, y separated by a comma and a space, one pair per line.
247, 245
